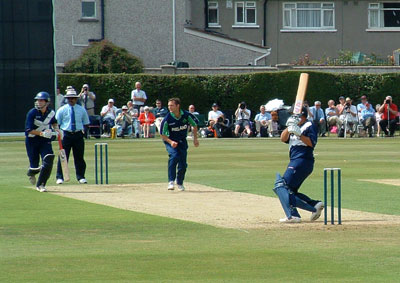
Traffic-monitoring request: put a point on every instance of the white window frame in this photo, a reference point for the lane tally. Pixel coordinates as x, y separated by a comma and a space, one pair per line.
247, 5
216, 7
292, 12
378, 7
95, 9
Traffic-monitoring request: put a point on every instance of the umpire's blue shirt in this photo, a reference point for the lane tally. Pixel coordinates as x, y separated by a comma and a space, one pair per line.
63, 117
176, 128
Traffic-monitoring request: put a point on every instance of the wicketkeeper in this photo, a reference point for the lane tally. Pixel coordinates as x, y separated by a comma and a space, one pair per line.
38, 134
301, 135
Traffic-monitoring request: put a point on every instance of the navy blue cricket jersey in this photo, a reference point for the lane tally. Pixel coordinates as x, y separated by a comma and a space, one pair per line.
36, 120
298, 149
176, 129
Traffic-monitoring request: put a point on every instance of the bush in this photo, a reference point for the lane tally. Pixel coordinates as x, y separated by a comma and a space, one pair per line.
104, 57
228, 90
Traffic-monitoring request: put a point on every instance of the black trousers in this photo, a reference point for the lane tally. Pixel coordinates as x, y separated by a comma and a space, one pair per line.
392, 126
75, 142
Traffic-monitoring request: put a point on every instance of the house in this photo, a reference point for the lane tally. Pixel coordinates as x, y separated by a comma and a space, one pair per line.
293, 29
157, 31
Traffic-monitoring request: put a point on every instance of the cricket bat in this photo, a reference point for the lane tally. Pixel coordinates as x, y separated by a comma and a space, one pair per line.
63, 160
301, 93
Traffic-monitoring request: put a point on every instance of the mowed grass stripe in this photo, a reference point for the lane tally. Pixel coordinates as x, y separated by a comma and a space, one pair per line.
48, 238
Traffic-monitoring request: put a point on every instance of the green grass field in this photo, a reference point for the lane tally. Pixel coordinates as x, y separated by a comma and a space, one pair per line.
49, 238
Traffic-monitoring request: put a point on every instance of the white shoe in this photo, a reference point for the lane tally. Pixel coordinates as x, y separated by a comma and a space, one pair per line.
181, 187
32, 179
171, 186
319, 207
59, 181
83, 181
293, 219
41, 189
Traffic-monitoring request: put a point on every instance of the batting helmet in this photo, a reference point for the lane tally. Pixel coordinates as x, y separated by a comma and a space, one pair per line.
43, 95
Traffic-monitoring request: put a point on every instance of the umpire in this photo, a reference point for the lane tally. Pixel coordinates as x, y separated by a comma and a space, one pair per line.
72, 119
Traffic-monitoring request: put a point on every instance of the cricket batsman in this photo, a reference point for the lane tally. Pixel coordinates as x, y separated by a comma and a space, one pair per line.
173, 131
301, 135
38, 134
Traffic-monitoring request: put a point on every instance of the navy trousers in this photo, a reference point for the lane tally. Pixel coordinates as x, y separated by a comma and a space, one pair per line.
35, 148
177, 162
297, 171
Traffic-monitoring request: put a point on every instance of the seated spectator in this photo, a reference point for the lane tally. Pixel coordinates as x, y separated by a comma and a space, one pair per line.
217, 125
317, 117
146, 120
86, 99
361, 106
214, 115
368, 118
124, 123
389, 120
192, 110
273, 128
262, 121
135, 118
242, 115
378, 118
159, 112
108, 114
340, 106
348, 116
332, 115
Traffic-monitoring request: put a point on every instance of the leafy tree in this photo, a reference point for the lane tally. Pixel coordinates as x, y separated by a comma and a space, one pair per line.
104, 57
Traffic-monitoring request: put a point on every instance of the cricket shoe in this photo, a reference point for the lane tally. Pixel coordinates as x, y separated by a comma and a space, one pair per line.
293, 219
181, 188
171, 186
59, 181
82, 181
32, 179
319, 207
41, 189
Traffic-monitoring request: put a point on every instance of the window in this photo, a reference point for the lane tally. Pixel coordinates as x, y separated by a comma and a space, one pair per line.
309, 16
88, 9
384, 15
245, 13
213, 19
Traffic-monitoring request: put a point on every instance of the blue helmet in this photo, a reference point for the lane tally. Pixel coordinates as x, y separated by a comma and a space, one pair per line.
43, 95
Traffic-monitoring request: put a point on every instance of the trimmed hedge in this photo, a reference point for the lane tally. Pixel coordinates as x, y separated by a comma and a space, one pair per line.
228, 90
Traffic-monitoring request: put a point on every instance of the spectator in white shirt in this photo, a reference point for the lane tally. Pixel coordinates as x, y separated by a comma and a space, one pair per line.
262, 121
214, 115
108, 114
138, 96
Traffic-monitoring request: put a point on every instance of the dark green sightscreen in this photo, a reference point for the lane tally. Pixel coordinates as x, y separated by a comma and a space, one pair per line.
26, 58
